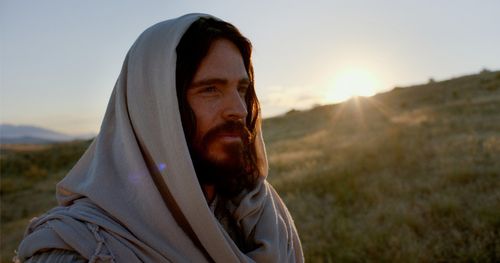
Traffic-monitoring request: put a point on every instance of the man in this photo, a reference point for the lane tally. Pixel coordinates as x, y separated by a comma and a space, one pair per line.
177, 172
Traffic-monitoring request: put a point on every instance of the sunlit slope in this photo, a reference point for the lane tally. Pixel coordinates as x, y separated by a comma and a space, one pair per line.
411, 175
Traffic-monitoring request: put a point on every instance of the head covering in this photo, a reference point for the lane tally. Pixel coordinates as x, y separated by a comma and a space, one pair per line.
134, 194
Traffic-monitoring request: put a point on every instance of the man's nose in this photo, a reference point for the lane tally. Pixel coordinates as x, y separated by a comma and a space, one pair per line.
236, 107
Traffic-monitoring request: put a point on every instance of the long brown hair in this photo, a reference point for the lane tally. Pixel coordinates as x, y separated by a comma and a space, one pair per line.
191, 50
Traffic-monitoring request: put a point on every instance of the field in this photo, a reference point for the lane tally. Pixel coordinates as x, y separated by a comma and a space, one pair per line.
410, 175
27, 187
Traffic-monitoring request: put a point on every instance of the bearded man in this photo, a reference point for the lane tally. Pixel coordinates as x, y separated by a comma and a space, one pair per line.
178, 170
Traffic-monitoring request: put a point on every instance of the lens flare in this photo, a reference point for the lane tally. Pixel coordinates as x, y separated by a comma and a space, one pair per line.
351, 83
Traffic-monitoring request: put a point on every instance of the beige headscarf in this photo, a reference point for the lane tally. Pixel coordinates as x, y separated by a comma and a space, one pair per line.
134, 194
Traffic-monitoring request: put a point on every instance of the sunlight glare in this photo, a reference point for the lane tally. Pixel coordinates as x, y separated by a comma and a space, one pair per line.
351, 83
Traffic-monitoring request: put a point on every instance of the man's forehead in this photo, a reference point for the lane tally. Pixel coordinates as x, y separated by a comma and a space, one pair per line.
223, 61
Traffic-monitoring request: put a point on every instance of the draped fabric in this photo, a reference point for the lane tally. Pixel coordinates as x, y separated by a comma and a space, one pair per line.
134, 195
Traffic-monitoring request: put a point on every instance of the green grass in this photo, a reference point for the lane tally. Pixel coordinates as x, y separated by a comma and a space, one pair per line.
377, 182
27, 186
411, 175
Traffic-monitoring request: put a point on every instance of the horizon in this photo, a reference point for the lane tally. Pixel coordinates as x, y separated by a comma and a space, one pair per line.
93, 134
334, 51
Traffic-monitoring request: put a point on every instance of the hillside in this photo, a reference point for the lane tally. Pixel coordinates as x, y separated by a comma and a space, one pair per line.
15, 134
28, 134
410, 175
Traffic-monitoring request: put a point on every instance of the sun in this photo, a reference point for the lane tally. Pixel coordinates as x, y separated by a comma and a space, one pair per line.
351, 83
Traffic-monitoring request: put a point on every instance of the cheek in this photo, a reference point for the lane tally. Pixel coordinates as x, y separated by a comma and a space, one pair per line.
205, 112
204, 121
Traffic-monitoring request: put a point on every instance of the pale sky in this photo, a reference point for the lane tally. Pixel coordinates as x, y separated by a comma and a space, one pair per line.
59, 60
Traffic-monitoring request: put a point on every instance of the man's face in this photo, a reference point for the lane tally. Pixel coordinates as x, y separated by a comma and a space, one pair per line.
217, 98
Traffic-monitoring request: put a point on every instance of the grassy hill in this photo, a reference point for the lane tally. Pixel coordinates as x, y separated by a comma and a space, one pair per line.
411, 175
27, 186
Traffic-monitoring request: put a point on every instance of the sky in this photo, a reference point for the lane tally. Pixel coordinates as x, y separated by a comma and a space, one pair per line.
59, 59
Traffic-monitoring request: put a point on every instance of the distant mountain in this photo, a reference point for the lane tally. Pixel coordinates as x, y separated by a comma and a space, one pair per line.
10, 134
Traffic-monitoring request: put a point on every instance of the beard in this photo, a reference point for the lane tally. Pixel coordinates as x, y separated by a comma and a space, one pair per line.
232, 174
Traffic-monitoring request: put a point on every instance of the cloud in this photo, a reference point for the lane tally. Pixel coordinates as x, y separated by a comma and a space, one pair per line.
276, 100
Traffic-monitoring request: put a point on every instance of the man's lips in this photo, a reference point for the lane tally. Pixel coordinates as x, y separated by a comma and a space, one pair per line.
228, 132
230, 136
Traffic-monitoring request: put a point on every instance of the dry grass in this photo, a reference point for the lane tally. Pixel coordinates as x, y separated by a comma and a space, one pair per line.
5, 148
412, 175
27, 186
379, 180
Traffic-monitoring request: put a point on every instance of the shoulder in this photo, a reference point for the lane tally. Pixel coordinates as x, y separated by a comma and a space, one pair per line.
56, 256
294, 245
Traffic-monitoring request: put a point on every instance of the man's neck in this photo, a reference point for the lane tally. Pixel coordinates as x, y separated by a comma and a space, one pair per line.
209, 192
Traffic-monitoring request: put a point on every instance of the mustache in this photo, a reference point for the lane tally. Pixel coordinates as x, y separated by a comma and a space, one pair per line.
232, 127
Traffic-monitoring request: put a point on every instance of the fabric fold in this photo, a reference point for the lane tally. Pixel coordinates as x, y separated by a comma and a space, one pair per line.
134, 195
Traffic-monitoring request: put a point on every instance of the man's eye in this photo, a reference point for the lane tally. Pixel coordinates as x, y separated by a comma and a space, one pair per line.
210, 89
243, 90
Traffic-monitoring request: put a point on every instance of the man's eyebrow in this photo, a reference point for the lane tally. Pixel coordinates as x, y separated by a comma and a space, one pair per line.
244, 81
212, 81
